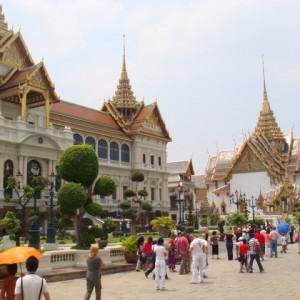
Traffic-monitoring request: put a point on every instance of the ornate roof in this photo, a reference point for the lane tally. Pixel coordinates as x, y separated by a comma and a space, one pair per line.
86, 120
267, 123
132, 116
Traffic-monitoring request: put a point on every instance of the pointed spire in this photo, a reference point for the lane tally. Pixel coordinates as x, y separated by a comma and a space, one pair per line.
124, 98
3, 24
266, 122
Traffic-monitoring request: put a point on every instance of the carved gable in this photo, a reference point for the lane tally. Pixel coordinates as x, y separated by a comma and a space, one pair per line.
13, 57
152, 123
248, 162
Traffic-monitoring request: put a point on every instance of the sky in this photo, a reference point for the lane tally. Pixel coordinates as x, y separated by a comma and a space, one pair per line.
202, 61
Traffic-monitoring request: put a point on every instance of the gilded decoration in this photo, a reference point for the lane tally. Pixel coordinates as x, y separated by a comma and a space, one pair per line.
13, 57
248, 162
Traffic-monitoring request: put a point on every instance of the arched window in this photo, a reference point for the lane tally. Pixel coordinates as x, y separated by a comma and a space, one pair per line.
90, 141
114, 151
33, 169
7, 172
102, 149
77, 139
125, 153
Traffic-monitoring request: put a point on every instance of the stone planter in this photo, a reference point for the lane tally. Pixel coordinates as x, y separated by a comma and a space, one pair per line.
102, 243
131, 258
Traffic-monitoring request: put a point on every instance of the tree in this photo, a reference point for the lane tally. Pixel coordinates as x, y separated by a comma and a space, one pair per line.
24, 195
79, 166
236, 219
137, 195
124, 205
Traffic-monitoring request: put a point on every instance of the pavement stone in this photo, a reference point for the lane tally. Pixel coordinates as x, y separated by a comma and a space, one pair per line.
279, 281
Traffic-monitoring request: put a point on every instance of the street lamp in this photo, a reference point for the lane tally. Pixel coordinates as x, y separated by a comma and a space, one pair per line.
51, 230
252, 203
35, 230
236, 199
180, 200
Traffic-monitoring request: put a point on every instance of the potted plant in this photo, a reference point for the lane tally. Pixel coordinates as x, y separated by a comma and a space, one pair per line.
130, 249
163, 225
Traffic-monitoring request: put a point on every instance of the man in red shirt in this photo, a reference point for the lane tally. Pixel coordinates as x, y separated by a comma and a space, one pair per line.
183, 248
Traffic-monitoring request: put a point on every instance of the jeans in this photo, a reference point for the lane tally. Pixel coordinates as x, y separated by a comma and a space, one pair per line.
90, 284
256, 257
273, 248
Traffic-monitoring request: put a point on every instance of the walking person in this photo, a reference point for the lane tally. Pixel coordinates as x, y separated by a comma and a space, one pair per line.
31, 286
254, 254
171, 254
243, 252
291, 233
297, 239
160, 264
214, 242
283, 242
229, 237
9, 283
196, 250
93, 275
273, 242
140, 261
267, 242
183, 248
205, 255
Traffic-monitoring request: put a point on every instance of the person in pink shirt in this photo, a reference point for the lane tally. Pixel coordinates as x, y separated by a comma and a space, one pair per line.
183, 248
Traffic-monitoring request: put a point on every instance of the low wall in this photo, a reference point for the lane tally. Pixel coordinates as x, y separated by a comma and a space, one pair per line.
69, 258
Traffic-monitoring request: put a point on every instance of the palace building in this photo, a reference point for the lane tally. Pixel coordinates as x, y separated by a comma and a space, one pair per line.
36, 126
260, 175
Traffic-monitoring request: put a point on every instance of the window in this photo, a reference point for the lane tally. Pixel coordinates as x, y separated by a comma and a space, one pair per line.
160, 194
159, 161
90, 141
7, 172
114, 151
33, 169
152, 160
77, 139
124, 189
152, 194
114, 194
144, 158
102, 149
125, 153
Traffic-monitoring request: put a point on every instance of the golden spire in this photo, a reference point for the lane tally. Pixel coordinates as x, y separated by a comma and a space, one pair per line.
124, 98
266, 122
3, 24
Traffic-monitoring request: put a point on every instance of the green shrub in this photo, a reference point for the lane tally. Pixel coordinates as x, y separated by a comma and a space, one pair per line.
117, 233
87, 240
97, 232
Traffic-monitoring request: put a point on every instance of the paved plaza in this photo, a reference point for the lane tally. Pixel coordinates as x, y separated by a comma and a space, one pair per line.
281, 280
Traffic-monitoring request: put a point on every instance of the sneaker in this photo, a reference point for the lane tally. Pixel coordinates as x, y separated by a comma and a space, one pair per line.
163, 289
204, 276
194, 282
250, 271
158, 289
262, 270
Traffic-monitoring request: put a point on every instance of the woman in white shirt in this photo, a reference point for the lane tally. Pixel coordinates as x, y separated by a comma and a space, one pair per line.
160, 264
